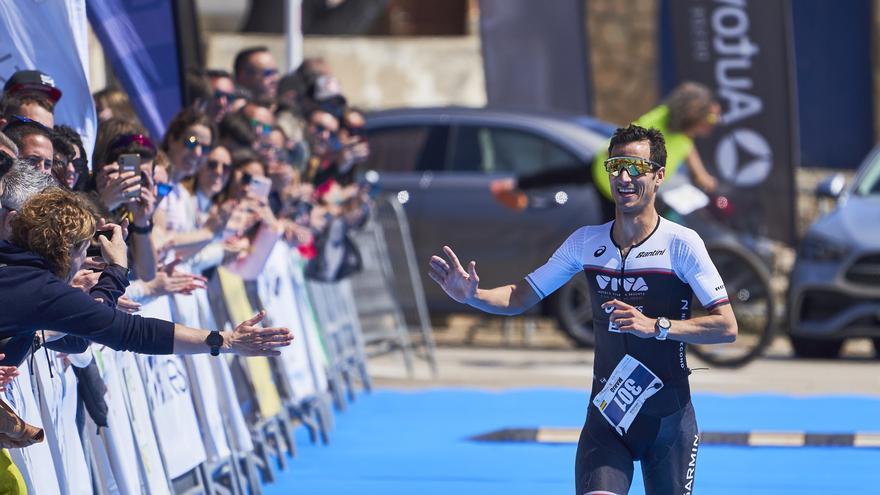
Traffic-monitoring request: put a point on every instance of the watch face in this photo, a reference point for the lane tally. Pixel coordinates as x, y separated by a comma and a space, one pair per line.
663, 322
214, 339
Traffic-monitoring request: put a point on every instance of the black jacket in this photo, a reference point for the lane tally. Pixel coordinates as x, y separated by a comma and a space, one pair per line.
32, 298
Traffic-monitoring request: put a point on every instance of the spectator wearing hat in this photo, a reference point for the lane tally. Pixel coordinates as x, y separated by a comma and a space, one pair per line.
31, 94
32, 82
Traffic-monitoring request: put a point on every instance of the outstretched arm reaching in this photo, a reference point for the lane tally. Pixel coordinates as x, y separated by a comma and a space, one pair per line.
462, 286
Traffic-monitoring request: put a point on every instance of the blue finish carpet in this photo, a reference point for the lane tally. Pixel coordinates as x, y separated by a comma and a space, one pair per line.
394, 442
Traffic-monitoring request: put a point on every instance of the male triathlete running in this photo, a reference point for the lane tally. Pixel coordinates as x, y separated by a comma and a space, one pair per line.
642, 272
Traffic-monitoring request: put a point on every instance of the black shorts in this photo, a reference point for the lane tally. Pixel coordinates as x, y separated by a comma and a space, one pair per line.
666, 448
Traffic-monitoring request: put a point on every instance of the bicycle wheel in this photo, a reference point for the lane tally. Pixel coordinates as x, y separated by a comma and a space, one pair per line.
748, 287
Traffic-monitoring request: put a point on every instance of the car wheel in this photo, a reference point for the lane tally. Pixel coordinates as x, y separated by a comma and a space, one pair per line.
816, 348
573, 310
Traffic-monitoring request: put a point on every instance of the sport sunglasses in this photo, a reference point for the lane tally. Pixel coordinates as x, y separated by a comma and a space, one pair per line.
634, 165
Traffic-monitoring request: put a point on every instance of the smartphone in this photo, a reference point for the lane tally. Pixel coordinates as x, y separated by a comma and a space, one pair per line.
130, 163
260, 187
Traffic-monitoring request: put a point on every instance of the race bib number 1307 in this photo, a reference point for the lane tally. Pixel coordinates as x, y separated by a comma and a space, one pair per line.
629, 386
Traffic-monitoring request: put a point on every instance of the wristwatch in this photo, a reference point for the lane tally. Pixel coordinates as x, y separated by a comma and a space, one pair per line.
215, 340
141, 230
662, 326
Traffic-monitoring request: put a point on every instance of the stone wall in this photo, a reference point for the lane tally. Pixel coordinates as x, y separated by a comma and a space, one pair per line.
378, 72
623, 54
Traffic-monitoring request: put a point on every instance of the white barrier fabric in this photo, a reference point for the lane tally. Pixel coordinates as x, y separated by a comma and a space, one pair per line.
117, 438
152, 468
317, 353
207, 400
31, 461
194, 311
168, 388
239, 434
58, 410
275, 287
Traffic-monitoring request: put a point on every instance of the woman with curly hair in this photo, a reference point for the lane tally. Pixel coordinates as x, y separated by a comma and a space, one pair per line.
50, 236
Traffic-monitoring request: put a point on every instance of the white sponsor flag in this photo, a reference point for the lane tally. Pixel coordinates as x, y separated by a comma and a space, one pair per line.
45, 35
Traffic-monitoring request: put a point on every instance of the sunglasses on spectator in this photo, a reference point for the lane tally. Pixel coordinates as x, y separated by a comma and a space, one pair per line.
39, 162
246, 178
634, 165
223, 94
79, 163
356, 131
264, 72
320, 129
261, 128
218, 166
17, 120
192, 142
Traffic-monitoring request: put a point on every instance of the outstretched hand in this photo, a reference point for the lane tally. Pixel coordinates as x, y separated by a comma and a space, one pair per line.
458, 283
250, 340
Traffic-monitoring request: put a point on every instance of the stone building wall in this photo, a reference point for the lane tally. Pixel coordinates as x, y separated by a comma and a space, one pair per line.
623, 54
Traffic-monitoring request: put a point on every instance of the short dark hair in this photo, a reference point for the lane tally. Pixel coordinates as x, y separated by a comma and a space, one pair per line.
198, 86
633, 134
242, 57
217, 73
18, 130
10, 104
236, 128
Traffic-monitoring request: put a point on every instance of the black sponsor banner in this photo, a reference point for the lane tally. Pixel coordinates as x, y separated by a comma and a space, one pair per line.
535, 55
742, 49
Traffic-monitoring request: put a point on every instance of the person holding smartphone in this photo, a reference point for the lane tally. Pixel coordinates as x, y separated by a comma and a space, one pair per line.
123, 185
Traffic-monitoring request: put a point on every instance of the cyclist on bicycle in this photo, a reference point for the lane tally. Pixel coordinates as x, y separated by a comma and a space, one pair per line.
642, 271
689, 112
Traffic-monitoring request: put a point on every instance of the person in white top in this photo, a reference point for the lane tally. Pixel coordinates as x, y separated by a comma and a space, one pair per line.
642, 271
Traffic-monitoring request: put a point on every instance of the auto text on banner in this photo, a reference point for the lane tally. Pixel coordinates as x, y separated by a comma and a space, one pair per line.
743, 51
31, 461
39, 35
167, 384
58, 408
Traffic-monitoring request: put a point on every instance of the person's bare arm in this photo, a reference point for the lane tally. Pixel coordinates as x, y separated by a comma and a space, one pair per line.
702, 178
462, 286
718, 327
246, 340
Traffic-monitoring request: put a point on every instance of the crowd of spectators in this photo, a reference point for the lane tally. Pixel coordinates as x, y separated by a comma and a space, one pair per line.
256, 159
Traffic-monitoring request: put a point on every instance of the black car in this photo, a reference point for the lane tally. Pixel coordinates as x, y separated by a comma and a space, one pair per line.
440, 162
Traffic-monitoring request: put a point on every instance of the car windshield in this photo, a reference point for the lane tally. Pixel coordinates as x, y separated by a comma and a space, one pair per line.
869, 184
